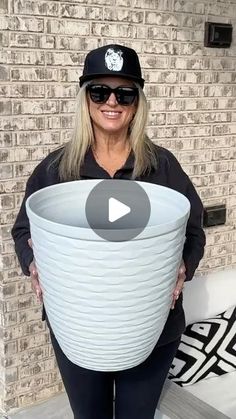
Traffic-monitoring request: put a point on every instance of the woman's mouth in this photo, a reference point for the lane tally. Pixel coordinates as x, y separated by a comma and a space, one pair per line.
111, 114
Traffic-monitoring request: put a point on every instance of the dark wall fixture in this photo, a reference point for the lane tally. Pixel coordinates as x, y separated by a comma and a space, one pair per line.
218, 35
214, 215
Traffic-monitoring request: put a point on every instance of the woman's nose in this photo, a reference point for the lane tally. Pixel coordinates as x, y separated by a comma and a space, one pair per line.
112, 100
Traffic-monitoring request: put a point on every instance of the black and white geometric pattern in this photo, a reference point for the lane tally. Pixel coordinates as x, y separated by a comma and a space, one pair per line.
207, 349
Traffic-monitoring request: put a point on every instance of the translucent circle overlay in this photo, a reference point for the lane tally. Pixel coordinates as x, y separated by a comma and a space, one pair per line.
126, 192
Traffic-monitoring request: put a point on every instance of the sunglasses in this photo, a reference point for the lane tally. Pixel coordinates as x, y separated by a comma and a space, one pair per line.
99, 93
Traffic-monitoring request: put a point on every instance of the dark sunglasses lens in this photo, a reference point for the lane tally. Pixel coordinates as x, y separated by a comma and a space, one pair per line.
99, 93
126, 95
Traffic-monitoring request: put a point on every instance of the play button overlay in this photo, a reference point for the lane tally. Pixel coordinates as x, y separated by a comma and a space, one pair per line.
117, 210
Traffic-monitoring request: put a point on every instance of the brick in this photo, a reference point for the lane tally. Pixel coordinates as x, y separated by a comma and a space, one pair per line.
11, 403
45, 392
8, 124
222, 129
191, 49
22, 330
26, 91
4, 39
67, 106
220, 77
77, 43
10, 319
123, 15
221, 9
185, 6
31, 74
6, 171
164, 132
67, 121
198, 118
212, 192
62, 91
190, 64
164, 5
157, 119
70, 75
194, 131
7, 202
26, 58
23, 169
134, 43
159, 33
4, 91
37, 368
186, 144
4, 73
5, 108
67, 27
22, 40
81, 12
38, 138
8, 247
166, 77
34, 107
187, 35
39, 7
190, 21
159, 48
33, 342
4, 6
208, 104
25, 316
219, 91
162, 19
223, 63
26, 24
152, 61
216, 142
120, 31
12, 186
11, 348
47, 41
64, 58
184, 90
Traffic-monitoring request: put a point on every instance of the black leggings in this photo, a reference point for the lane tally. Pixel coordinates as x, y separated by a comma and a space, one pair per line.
137, 389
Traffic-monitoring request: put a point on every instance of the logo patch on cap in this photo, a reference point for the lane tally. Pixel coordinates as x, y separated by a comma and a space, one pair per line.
113, 59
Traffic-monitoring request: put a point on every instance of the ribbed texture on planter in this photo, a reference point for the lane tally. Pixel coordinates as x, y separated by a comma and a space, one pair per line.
107, 302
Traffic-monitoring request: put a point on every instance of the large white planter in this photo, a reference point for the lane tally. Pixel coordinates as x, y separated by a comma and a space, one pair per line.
107, 302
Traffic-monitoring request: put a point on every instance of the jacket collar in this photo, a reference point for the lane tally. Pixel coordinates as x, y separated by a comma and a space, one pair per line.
91, 168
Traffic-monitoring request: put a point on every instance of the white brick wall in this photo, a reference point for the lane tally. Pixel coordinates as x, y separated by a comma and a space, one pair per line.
192, 97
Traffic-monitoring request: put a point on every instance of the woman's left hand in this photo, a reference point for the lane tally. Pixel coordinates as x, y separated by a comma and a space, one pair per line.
179, 284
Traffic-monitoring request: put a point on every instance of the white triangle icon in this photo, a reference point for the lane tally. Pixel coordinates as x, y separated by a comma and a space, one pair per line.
117, 210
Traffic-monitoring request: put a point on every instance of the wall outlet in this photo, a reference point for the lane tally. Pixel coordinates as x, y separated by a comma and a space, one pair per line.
214, 215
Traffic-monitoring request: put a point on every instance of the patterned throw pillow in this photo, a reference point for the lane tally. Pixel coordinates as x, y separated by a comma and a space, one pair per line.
207, 349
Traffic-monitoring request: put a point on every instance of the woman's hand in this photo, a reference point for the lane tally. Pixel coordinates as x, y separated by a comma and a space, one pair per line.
34, 279
179, 284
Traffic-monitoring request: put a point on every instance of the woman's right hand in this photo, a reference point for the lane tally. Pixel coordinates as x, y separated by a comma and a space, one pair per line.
34, 279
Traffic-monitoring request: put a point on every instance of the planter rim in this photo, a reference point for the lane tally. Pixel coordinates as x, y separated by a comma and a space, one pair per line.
86, 233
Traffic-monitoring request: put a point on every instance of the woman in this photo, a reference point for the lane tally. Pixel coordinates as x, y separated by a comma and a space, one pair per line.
109, 141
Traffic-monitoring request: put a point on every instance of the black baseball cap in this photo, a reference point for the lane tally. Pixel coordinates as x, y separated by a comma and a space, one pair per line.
112, 60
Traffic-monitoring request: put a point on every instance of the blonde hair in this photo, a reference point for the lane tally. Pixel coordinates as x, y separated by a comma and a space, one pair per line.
73, 153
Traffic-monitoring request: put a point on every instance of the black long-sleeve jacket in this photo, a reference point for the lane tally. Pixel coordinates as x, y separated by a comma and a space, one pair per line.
168, 173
